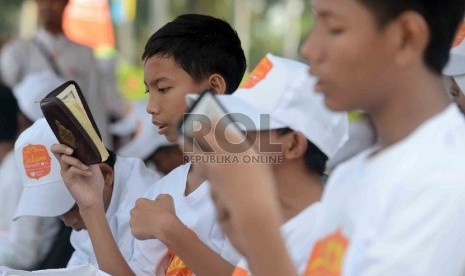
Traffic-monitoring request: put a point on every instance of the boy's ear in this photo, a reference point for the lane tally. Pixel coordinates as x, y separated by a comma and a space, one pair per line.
108, 175
295, 145
413, 37
217, 84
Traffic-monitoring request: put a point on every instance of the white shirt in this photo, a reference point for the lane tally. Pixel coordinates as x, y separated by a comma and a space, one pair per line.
21, 57
25, 242
196, 211
298, 236
132, 180
400, 211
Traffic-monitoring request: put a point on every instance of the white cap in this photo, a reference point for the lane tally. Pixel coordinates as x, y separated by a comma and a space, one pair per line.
146, 138
455, 68
33, 88
361, 136
44, 193
283, 88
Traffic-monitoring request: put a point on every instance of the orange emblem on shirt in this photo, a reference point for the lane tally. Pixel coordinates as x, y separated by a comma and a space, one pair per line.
327, 256
460, 36
239, 271
36, 161
259, 73
177, 267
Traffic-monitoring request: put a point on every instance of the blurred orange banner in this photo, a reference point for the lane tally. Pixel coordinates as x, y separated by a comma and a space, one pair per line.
88, 22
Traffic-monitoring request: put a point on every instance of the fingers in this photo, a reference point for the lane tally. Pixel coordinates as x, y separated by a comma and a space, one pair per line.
59, 149
70, 161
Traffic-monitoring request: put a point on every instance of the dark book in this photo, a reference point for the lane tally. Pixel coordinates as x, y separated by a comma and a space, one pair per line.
69, 117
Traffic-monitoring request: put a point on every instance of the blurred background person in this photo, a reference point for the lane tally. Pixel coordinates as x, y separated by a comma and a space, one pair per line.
29, 242
51, 49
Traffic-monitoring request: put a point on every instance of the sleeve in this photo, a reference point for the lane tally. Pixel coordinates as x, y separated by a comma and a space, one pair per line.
11, 60
26, 244
424, 234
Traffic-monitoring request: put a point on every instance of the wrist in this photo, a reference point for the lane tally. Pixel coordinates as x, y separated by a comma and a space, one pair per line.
173, 231
91, 211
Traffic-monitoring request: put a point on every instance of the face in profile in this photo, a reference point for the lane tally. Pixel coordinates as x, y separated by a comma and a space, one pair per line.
168, 84
348, 53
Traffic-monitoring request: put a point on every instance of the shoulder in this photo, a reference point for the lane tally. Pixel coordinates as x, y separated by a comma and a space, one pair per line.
134, 169
174, 181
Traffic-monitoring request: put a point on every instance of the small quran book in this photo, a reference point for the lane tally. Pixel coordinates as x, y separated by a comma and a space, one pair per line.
69, 117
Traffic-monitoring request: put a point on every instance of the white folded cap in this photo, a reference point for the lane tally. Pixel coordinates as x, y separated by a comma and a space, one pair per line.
283, 89
33, 88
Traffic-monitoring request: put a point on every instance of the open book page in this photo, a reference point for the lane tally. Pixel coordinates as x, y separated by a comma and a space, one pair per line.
71, 99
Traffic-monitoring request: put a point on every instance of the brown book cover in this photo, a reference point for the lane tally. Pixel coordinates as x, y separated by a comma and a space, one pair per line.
69, 117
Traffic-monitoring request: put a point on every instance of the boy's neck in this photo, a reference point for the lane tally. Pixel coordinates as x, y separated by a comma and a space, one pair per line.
194, 180
297, 188
416, 100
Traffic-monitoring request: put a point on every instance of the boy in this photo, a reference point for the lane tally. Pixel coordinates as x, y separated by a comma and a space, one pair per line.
45, 195
189, 54
398, 207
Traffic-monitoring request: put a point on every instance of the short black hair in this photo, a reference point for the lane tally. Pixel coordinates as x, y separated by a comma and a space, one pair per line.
9, 111
202, 45
443, 19
314, 158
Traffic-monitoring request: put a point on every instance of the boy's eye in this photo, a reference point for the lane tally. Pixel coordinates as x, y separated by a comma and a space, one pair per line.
335, 31
163, 89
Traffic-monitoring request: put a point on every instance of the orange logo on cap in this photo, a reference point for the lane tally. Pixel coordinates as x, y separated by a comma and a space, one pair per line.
259, 73
327, 256
460, 36
36, 161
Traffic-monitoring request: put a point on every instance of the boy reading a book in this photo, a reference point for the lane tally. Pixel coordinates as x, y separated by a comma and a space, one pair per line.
398, 207
45, 195
190, 54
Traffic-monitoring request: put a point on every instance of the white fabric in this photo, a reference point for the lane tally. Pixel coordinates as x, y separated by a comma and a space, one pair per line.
196, 211
22, 57
298, 235
25, 242
402, 210
84, 270
132, 179
282, 88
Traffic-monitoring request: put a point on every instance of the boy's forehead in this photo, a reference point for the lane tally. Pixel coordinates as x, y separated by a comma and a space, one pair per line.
158, 68
334, 8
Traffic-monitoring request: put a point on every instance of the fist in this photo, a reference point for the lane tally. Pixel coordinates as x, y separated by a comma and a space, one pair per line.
151, 219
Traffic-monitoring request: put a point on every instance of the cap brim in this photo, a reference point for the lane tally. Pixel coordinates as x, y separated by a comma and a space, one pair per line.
48, 200
455, 66
249, 117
